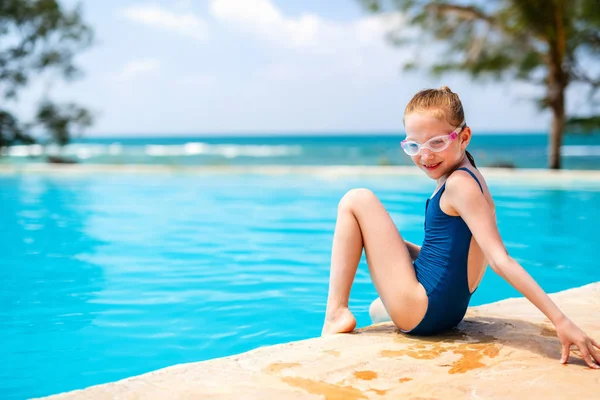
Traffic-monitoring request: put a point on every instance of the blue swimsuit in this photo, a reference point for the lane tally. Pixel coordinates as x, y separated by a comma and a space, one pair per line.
441, 267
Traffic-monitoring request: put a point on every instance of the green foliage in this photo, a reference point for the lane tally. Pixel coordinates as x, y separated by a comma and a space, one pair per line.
11, 131
61, 119
585, 125
500, 39
538, 41
37, 37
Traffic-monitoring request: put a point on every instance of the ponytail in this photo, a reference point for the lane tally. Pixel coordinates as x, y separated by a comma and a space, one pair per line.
471, 159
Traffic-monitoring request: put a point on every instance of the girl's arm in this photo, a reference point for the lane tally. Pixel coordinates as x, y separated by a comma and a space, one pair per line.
466, 198
413, 250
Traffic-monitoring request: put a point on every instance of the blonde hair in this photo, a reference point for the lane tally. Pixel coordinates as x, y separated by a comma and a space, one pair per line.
442, 104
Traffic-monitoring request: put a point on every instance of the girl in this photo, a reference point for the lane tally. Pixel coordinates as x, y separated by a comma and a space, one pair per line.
426, 290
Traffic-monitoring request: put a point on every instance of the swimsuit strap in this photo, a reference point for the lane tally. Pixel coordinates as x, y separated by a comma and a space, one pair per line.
473, 175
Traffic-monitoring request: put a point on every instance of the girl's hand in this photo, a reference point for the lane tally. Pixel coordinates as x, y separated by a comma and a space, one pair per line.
569, 333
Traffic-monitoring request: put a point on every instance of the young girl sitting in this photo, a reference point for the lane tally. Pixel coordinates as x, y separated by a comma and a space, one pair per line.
426, 290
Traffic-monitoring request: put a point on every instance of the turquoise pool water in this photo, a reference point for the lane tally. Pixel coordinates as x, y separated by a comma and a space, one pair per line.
105, 276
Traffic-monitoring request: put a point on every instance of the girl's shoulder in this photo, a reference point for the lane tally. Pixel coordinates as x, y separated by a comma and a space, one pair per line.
464, 187
466, 184
466, 176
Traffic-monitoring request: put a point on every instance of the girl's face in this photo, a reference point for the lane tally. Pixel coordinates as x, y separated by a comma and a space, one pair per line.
422, 127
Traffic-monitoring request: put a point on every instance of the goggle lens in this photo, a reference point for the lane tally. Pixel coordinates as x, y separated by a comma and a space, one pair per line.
435, 144
410, 148
439, 144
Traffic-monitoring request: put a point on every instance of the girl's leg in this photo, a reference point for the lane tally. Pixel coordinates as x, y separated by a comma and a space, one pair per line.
362, 221
377, 311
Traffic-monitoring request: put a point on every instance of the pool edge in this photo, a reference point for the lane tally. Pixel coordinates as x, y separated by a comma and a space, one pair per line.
501, 350
328, 170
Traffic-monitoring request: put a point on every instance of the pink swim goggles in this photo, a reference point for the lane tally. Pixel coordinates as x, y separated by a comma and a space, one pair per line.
435, 144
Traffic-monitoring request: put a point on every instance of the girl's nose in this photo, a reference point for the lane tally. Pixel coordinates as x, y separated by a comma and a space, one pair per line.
426, 154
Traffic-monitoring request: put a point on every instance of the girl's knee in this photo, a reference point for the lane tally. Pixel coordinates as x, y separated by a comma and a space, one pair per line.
356, 197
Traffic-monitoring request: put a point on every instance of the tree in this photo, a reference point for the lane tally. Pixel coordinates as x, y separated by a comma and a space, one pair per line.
40, 37
545, 42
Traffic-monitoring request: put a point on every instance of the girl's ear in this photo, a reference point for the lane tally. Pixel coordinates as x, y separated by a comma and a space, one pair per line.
465, 137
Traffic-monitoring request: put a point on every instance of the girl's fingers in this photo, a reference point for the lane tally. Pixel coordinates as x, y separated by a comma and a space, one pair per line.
564, 357
586, 356
595, 343
595, 354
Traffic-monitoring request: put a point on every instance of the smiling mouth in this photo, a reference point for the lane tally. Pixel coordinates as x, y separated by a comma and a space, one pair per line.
432, 166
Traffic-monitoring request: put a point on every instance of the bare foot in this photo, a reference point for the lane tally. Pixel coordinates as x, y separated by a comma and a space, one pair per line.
338, 321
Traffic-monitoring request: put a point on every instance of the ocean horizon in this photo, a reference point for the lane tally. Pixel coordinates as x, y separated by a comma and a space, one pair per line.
283, 133
490, 149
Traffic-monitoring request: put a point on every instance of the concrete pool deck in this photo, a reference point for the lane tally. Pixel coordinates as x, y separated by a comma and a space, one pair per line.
501, 350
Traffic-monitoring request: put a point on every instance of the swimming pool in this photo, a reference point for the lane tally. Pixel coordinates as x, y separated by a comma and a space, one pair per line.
109, 275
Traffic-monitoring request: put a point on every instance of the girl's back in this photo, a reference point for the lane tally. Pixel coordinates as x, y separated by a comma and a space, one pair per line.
476, 259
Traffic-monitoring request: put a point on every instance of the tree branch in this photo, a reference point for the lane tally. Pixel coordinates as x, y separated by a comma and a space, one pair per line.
465, 12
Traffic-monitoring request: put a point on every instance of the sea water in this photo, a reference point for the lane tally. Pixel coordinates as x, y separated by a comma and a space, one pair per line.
524, 150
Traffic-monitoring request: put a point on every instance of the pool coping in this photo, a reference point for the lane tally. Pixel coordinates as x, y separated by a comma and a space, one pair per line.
321, 170
506, 349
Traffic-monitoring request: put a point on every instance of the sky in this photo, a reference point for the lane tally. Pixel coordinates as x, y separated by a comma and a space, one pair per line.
222, 67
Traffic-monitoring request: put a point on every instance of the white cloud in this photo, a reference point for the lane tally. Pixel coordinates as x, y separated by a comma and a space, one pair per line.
355, 52
183, 23
251, 11
262, 17
306, 31
138, 68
